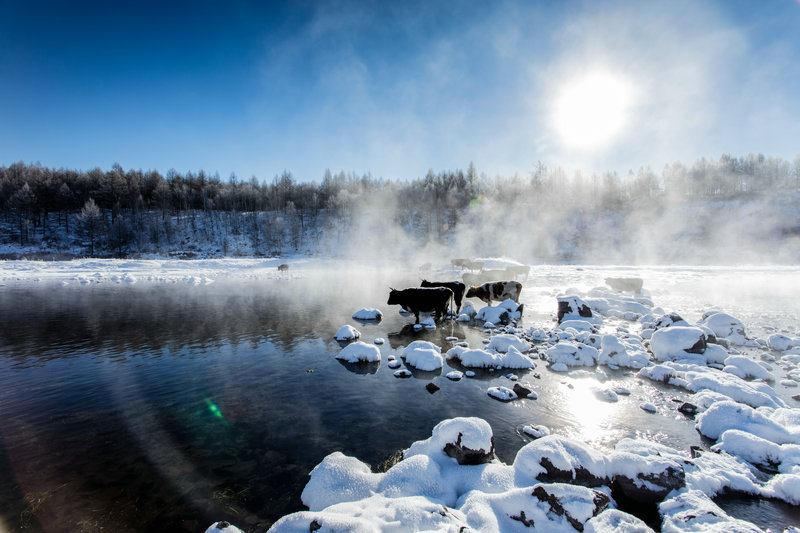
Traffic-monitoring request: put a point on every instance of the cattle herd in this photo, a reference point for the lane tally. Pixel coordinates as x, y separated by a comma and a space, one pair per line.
436, 296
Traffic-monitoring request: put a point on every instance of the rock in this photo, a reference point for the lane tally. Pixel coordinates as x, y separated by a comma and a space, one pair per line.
668, 320
651, 487
432, 387
522, 392
572, 307
550, 495
347, 333
467, 456
503, 394
687, 408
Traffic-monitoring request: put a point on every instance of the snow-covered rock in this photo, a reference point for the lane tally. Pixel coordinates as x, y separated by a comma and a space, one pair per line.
678, 343
625, 353
423, 355
693, 511
502, 343
572, 307
347, 333
571, 354
368, 314
504, 394
360, 352
725, 326
477, 358
746, 368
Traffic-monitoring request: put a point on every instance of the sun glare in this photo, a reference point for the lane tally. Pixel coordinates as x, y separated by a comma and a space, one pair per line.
592, 110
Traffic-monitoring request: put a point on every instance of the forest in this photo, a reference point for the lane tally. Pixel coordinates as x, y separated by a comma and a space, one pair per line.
123, 213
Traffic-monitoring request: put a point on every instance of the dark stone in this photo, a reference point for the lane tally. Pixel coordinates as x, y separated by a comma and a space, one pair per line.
687, 408
521, 391
578, 476
389, 462
655, 487
695, 451
522, 518
314, 525
796, 397
467, 456
432, 387
698, 347
601, 501
668, 320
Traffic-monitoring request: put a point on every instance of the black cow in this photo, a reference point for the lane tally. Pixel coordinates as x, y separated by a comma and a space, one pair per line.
457, 287
425, 300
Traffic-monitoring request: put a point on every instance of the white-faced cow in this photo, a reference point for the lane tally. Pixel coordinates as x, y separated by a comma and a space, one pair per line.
457, 287
496, 290
422, 300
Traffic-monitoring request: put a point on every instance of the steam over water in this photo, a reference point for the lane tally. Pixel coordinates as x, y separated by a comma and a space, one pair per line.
158, 406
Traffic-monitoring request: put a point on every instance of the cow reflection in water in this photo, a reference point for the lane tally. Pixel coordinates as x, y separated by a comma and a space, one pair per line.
438, 336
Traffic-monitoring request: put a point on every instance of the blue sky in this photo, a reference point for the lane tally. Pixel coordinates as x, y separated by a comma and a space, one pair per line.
395, 88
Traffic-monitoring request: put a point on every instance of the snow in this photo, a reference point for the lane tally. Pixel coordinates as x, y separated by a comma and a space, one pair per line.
347, 333
623, 352
693, 511
477, 358
725, 326
536, 431
223, 527
649, 407
503, 394
502, 343
768, 424
746, 368
571, 354
616, 521
360, 352
423, 355
678, 343
368, 314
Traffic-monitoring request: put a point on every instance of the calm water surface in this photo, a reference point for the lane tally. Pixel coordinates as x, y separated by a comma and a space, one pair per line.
159, 406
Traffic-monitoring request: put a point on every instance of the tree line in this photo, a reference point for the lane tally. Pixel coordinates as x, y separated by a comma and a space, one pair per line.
119, 211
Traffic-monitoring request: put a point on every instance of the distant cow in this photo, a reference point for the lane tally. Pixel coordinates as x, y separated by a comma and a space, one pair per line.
472, 265
457, 287
283, 268
517, 270
496, 290
422, 300
484, 276
625, 284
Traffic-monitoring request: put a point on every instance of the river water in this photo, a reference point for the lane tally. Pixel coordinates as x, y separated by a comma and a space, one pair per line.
166, 406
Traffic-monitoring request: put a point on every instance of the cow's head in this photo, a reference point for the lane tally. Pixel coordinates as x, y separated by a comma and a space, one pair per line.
425, 283
393, 296
472, 292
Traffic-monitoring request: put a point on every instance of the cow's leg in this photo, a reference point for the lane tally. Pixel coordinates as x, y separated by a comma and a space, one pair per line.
416, 316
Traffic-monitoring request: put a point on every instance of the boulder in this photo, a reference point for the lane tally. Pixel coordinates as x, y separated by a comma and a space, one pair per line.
572, 308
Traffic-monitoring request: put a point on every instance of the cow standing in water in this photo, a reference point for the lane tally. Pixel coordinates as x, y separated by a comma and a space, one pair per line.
457, 287
422, 300
496, 290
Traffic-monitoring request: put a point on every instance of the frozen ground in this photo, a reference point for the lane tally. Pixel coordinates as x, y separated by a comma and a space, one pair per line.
735, 348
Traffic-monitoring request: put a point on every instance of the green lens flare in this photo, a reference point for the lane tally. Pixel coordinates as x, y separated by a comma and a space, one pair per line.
215, 410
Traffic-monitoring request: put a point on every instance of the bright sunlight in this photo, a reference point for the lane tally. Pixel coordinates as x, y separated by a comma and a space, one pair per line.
592, 110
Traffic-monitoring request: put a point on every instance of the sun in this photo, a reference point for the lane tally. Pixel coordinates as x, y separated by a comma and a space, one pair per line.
592, 110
